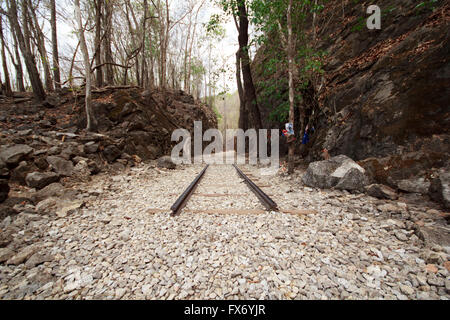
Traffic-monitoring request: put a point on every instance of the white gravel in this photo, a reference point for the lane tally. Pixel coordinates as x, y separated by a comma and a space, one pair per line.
116, 248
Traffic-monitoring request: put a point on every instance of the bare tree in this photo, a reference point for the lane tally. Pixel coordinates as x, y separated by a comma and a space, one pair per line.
56, 69
40, 42
98, 41
251, 102
4, 63
17, 61
24, 44
107, 25
290, 45
90, 118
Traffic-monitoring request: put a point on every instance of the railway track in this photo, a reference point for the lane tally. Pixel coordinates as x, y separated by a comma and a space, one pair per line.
181, 202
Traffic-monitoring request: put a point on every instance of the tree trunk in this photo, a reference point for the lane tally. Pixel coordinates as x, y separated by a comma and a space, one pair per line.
72, 64
90, 119
4, 62
144, 73
249, 88
108, 42
25, 19
186, 83
56, 70
151, 80
189, 68
243, 115
164, 49
36, 83
98, 43
291, 53
18, 63
40, 40
206, 88
164, 45
132, 30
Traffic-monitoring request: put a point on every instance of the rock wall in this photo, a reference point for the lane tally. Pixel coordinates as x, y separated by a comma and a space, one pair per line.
385, 93
41, 145
142, 123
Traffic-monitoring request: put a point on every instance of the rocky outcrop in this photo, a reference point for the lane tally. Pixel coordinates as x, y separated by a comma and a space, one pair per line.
112, 153
377, 99
39, 146
143, 123
60, 166
381, 191
166, 162
419, 185
40, 180
4, 171
440, 189
22, 255
52, 190
383, 98
19, 173
14, 154
4, 190
338, 172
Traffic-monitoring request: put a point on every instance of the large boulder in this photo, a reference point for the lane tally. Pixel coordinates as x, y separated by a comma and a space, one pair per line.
417, 185
56, 190
339, 172
14, 154
68, 207
398, 167
4, 171
61, 166
166, 162
91, 147
440, 189
40, 180
82, 171
19, 173
381, 191
111, 153
4, 190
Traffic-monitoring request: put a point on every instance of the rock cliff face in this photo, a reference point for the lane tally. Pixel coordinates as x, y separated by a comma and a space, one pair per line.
41, 145
385, 93
143, 124
132, 120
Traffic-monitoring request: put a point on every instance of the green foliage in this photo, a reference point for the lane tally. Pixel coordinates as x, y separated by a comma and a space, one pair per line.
388, 10
218, 115
269, 20
360, 24
214, 27
276, 92
426, 5
312, 62
280, 113
197, 67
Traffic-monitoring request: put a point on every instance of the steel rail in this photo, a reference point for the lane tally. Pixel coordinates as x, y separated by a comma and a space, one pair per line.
265, 199
183, 199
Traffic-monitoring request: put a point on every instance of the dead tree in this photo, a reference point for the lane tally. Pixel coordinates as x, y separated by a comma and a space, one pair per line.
30, 62
56, 68
40, 43
251, 102
90, 118
8, 90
